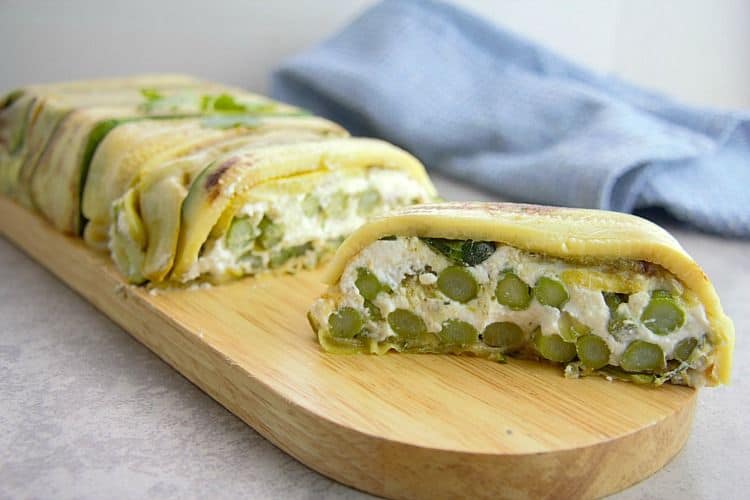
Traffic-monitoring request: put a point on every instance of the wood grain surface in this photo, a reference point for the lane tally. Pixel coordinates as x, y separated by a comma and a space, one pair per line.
404, 426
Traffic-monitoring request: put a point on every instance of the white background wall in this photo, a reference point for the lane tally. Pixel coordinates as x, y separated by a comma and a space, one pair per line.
697, 50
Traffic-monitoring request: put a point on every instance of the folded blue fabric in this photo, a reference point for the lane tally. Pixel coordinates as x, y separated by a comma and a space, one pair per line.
487, 107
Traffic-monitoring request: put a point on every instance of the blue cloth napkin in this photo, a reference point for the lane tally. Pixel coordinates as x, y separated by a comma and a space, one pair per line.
485, 106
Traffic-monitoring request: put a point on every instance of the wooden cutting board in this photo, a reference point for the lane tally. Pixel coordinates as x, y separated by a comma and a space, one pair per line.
399, 425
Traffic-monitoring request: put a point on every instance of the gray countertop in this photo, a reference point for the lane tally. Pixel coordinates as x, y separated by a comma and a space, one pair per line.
88, 412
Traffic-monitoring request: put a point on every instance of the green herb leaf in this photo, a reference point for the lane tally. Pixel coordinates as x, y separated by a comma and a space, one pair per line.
613, 300
476, 252
151, 94
226, 102
449, 248
463, 252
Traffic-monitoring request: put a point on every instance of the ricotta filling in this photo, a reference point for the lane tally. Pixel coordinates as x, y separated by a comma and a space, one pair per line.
394, 260
313, 233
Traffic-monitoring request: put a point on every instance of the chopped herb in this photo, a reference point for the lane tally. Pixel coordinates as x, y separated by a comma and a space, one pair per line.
226, 102
476, 252
449, 248
151, 94
221, 103
613, 300
463, 252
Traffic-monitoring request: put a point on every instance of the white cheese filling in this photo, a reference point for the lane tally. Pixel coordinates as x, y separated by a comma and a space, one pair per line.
393, 260
395, 188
